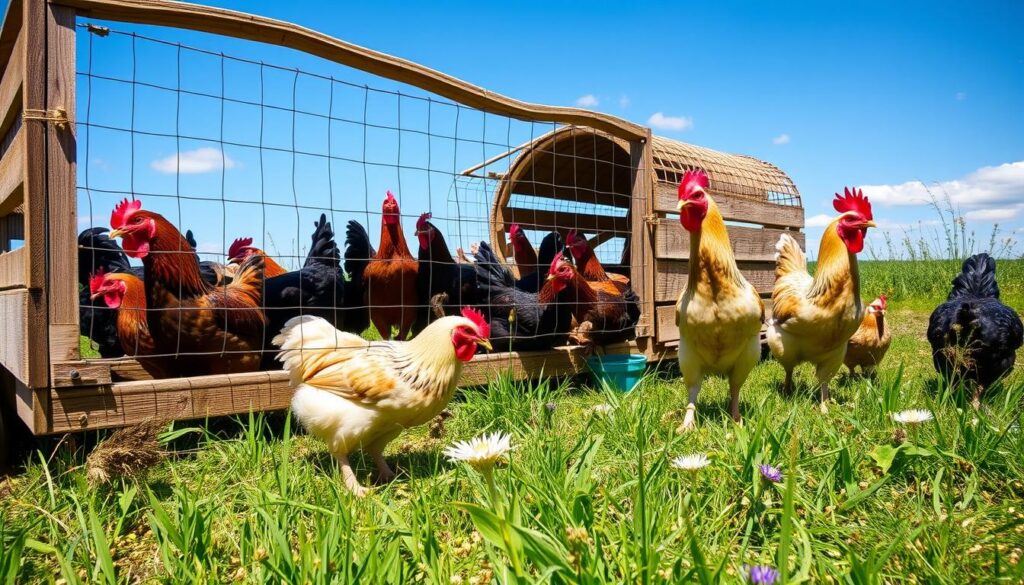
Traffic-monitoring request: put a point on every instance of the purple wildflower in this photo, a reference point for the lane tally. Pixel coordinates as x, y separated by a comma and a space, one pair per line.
771, 473
762, 574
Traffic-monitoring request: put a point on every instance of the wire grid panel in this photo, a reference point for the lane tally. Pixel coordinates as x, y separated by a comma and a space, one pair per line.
231, 147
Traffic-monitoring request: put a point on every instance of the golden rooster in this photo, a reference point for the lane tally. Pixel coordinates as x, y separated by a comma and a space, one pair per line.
719, 314
868, 345
813, 318
357, 394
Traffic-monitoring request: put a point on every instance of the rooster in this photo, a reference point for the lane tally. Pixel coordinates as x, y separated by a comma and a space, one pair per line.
719, 313
868, 345
242, 249
589, 266
125, 294
813, 318
220, 329
974, 336
602, 316
522, 251
442, 285
357, 394
390, 277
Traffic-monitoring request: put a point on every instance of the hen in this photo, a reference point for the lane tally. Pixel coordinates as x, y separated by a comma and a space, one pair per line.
523, 252
974, 336
589, 266
868, 345
602, 316
442, 285
358, 252
540, 320
206, 329
719, 313
550, 247
242, 249
813, 318
125, 294
357, 394
97, 253
390, 277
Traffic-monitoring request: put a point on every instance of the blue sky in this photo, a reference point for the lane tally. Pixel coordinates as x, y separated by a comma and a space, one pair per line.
880, 94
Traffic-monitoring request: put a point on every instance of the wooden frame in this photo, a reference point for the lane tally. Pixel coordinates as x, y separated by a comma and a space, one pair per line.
54, 390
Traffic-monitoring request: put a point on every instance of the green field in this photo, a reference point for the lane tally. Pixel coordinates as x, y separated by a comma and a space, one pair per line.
587, 496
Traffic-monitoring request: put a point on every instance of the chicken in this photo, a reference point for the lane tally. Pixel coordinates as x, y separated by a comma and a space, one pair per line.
602, 316
813, 318
125, 294
242, 249
522, 251
356, 394
719, 313
358, 252
206, 329
974, 336
589, 266
390, 277
540, 320
868, 345
550, 247
317, 289
442, 285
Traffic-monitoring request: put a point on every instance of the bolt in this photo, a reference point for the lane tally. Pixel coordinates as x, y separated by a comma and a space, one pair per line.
75, 375
83, 420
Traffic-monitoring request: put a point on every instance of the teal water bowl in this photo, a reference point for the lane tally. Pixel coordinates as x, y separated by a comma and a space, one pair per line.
621, 372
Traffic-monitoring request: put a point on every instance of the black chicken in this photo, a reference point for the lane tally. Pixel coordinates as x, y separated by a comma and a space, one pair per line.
358, 252
442, 284
551, 245
975, 337
541, 320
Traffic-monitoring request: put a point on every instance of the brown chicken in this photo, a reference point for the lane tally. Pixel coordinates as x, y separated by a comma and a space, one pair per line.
814, 317
602, 316
390, 277
868, 345
242, 249
206, 329
125, 293
589, 266
522, 251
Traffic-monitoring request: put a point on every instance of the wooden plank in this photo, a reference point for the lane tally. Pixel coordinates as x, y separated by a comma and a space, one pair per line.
72, 374
672, 242
12, 175
671, 276
11, 28
12, 270
10, 86
61, 225
14, 332
562, 221
668, 332
12, 228
640, 246
666, 197
257, 28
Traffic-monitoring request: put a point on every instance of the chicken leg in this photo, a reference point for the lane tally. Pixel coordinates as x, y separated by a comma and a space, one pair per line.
825, 371
349, 476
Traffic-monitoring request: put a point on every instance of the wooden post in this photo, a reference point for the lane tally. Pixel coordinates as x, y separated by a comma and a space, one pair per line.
641, 250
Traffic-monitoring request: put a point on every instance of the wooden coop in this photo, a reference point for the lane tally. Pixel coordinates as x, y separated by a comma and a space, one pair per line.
603, 176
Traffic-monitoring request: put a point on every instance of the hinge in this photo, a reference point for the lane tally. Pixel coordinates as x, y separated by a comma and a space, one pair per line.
651, 219
57, 116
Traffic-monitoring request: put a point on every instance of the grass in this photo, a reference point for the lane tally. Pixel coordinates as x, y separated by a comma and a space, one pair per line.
586, 497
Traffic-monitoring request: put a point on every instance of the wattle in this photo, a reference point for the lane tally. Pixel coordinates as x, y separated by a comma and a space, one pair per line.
135, 247
465, 351
690, 219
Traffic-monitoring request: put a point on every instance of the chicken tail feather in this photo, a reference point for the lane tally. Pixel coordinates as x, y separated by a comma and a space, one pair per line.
304, 341
789, 257
977, 279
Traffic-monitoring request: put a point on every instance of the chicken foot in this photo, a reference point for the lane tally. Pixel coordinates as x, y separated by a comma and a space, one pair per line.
349, 476
581, 334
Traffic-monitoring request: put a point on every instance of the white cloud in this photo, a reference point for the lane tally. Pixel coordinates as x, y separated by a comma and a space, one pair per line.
660, 121
985, 187
781, 139
961, 96
992, 214
624, 102
820, 220
200, 160
587, 101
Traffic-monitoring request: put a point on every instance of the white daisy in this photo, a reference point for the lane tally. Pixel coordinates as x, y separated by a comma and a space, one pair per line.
602, 409
693, 462
482, 452
913, 417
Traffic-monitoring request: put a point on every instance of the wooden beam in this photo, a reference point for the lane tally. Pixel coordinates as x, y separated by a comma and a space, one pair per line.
61, 210
666, 198
640, 248
10, 86
12, 175
563, 221
672, 242
12, 270
257, 28
671, 276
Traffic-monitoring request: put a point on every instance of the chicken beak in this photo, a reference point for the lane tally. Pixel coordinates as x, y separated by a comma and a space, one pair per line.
118, 233
550, 277
683, 203
95, 296
484, 344
870, 224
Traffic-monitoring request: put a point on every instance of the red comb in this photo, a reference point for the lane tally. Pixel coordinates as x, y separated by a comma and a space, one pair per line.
884, 303
96, 280
423, 219
123, 211
514, 229
390, 197
483, 328
691, 182
853, 200
238, 246
571, 237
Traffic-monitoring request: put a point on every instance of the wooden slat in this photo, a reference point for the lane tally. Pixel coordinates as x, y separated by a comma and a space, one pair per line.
640, 247
671, 275
564, 220
10, 86
668, 332
12, 270
14, 332
61, 227
12, 175
666, 197
11, 28
672, 242
266, 30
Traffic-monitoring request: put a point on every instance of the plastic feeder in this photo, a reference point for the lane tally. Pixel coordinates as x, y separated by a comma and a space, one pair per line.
621, 372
